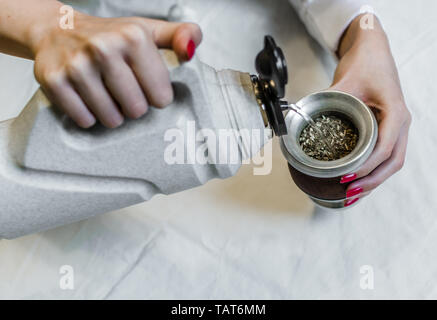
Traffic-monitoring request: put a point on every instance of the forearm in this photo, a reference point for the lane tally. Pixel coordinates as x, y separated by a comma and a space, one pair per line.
326, 20
24, 22
355, 35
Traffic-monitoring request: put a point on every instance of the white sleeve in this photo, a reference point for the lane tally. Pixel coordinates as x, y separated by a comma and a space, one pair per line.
326, 20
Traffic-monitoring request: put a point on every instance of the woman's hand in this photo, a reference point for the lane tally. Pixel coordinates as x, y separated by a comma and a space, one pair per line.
367, 70
109, 68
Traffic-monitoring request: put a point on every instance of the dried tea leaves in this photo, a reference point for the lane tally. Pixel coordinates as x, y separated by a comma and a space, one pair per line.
339, 138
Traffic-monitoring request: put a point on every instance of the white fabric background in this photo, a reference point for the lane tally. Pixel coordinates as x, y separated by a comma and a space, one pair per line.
254, 236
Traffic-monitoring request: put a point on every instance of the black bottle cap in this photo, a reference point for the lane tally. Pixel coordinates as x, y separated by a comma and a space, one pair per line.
273, 76
271, 67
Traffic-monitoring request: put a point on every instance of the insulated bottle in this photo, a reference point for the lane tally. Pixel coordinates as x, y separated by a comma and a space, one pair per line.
53, 173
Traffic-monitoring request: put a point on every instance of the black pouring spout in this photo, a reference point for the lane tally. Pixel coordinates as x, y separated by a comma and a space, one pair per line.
271, 81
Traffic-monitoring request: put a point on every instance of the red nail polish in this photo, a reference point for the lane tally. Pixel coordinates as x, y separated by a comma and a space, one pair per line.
354, 192
191, 49
351, 202
348, 178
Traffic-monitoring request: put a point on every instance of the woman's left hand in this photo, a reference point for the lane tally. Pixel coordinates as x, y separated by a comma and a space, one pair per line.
367, 70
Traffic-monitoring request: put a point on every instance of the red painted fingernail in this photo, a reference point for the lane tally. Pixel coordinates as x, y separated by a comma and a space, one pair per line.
191, 49
348, 178
354, 192
351, 202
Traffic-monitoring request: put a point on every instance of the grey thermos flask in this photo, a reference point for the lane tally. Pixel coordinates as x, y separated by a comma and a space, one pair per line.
53, 173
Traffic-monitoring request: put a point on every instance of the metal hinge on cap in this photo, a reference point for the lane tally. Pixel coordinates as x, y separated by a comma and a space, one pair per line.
269, 84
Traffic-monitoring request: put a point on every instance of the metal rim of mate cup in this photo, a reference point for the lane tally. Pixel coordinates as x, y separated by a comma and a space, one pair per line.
305, 168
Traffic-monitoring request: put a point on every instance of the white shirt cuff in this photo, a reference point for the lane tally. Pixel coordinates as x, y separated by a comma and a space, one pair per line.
326, 20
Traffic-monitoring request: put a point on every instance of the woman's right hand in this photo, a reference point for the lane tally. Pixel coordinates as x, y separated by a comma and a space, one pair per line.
109, 68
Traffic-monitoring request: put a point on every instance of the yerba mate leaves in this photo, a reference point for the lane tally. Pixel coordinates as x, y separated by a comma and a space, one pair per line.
339, 134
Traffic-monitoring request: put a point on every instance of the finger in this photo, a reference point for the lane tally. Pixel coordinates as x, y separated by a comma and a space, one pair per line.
87, 81
124, 88
388, 134
387, 168
361, 195
350, 201
183, 38
63, 95
364, 194
149, 69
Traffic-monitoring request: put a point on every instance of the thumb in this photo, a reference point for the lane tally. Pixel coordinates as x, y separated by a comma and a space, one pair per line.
338, 85
182, 38
347, 87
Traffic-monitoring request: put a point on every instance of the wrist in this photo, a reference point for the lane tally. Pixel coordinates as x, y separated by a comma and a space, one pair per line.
355, 35
46, 25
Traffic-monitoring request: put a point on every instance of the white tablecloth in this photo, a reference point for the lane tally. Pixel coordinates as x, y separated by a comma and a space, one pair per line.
254, 236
